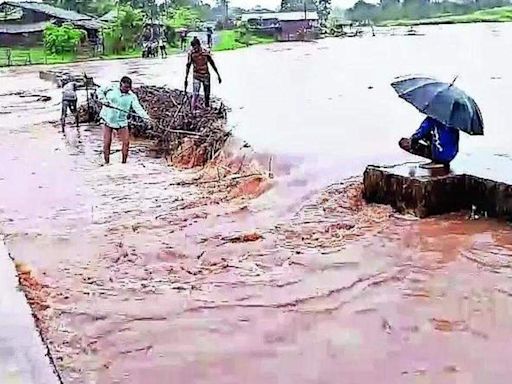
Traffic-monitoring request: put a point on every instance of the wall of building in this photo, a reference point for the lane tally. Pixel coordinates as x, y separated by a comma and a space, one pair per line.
292, 30
21, 39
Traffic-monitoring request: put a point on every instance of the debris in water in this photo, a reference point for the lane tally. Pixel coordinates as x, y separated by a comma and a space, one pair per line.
245, 238
190, 138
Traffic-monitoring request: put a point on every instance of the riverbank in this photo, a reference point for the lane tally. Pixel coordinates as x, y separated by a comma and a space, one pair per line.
495, 15
20, 56
229, 40
226, 40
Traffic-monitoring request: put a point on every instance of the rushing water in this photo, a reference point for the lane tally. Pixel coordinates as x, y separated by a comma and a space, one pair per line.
144, 288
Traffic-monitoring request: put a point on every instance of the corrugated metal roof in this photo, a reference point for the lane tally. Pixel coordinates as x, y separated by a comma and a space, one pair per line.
22, 28
281, 16
109, 16
47, 9
88, 24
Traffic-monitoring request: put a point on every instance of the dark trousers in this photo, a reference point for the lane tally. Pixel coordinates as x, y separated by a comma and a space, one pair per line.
417, 148
72, 106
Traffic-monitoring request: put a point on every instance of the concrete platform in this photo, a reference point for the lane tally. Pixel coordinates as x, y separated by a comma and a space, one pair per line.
411, 189
23, 358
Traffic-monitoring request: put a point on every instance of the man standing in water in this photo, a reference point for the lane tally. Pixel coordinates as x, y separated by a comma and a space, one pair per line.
200, 58
69, 101
209, 37
118, 100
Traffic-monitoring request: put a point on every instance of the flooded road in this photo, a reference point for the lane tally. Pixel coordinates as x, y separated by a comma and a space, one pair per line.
149, 282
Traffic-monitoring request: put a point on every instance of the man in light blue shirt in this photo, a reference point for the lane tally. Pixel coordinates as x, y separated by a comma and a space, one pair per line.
118, 101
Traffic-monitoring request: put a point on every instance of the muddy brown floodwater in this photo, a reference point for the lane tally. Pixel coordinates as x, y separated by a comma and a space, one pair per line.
148, 282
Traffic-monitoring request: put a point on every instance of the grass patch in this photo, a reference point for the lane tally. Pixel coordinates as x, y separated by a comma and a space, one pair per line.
493, 15
27, 56
38, 56
235, 39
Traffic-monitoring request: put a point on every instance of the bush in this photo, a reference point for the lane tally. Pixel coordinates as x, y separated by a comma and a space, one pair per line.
63, 39
183, 17
178, 18
123, 33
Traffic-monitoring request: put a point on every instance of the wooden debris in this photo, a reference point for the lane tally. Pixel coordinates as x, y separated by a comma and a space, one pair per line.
244, 238
190, 138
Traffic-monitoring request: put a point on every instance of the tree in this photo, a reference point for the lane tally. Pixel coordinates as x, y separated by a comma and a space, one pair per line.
92, 7
224, 5
123, 33
63, 39
323, 9
183, 18
362, 11
297, 5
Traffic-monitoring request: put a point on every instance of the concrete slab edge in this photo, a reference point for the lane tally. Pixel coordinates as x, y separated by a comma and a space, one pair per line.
24, 357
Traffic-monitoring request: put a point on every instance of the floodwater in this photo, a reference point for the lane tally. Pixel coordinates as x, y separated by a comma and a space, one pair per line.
149, 282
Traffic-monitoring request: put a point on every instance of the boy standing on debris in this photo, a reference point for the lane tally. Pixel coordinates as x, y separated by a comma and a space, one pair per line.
69, 101
118, 100
200, 58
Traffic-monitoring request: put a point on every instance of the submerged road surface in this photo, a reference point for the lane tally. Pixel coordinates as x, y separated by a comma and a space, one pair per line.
148, 282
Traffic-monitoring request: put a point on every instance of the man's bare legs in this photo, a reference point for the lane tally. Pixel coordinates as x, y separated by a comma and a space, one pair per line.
107, 141
124, 136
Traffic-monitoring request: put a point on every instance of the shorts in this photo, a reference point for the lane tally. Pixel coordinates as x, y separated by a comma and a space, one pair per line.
68, 104
197, 86
102, 121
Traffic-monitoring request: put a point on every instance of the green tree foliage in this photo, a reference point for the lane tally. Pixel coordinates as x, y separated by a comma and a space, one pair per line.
362, 11
324, 10
183, 18
123, 34
149, 7
63, 39
90, 7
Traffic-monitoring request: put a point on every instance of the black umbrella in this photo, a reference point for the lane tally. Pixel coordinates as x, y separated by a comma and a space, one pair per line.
442, 101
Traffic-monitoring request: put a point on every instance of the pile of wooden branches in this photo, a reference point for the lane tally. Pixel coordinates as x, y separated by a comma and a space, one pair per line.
173, 125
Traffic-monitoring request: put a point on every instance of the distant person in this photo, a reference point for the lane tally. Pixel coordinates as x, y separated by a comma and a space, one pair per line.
98, 46
145, 49
200, 58
183, 39
118, 100
209, 37
163, 47
153, 51
69, 101
434, 141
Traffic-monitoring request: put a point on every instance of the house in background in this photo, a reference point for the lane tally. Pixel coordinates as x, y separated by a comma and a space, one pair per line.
285, 26
22, 22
